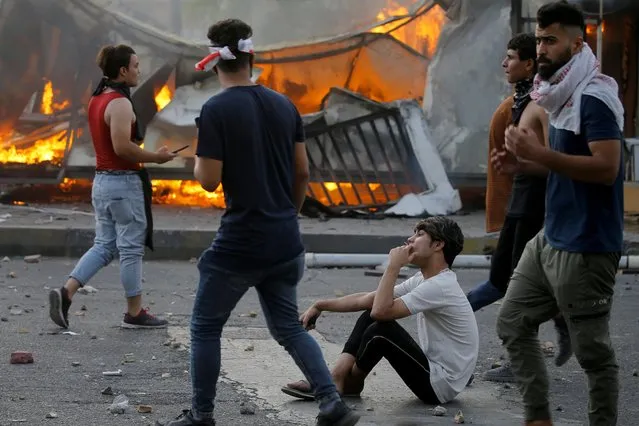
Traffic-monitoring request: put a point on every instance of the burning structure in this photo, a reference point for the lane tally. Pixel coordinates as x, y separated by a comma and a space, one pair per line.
369, 160
361, 94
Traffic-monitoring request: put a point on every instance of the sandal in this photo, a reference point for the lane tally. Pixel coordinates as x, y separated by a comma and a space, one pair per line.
302, 390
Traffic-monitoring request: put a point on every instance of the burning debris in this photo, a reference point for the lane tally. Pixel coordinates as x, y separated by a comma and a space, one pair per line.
365, 155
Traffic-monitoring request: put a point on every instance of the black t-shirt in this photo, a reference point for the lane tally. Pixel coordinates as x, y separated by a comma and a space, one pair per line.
528, 196
585, 217
253, 131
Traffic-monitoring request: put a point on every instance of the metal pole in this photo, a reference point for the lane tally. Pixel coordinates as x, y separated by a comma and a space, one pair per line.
600, 34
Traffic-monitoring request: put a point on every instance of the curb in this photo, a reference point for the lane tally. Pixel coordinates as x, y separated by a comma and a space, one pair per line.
174, 244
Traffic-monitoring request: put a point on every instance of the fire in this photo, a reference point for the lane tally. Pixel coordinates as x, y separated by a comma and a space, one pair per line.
50, 149
186, 193
49, 106
163, 97
347, 193
422, 34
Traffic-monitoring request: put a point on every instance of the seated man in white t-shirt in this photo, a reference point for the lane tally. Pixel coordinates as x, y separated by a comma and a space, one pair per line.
441, 365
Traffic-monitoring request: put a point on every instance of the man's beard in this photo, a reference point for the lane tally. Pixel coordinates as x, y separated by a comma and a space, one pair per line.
547, 68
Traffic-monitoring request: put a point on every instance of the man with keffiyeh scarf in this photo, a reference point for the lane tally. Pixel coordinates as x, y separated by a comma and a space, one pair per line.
121, 192
569, 267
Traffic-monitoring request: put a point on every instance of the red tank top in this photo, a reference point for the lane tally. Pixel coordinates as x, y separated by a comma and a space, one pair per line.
105, 156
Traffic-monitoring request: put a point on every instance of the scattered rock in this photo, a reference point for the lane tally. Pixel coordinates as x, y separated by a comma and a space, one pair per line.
87, 289
12, 275
370, 409
193, 260
144, 409
166, 375
107, 391
23, 330
628, 287
153, 358
6, 259
252, 314
507, 386
176, 345
83, 308
339, 293
439, 411
247, 409
249, 348
459, 417
15, 311
129, 358
34, 258
116, 373
20, 357
94, 337
51, 415
76, 364
548, 349
27, 296
120, 405
79, 313
559, 408
635, 373
495, 364
4, 319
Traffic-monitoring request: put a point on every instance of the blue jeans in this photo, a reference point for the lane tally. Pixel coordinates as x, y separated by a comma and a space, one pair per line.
483, 294
120, 227
218, 292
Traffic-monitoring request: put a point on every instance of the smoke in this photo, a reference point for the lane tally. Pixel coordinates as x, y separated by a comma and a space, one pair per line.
273, 21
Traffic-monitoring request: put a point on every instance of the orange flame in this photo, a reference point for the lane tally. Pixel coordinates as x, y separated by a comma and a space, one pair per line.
50, 149
163, 97
422, 34
49, 106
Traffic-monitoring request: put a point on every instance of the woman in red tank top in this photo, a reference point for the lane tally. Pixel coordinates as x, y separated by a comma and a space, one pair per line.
121, 193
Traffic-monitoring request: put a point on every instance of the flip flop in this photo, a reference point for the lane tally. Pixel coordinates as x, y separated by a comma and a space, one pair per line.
294, 391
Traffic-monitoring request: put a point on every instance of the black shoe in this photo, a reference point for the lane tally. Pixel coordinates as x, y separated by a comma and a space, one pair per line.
186, 419
59, 304
341, 415
563, 341
143, 320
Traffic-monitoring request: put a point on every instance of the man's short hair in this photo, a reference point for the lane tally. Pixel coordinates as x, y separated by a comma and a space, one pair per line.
228, 33
525, 45
562, 13
445, 230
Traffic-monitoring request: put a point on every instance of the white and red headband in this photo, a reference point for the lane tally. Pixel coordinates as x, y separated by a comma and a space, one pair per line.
223, 53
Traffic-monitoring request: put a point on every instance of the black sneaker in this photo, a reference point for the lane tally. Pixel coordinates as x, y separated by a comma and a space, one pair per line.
143, 320
59, 304
186, 419
341, 415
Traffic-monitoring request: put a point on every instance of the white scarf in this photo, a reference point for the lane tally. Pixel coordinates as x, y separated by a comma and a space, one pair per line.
561, 95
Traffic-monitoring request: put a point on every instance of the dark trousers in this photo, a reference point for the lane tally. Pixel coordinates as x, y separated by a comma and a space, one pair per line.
371, 340
516, 232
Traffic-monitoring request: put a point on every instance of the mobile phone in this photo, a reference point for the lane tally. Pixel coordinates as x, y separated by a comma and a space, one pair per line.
181, 149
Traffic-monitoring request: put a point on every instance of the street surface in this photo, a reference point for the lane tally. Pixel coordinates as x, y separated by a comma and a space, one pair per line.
66, 380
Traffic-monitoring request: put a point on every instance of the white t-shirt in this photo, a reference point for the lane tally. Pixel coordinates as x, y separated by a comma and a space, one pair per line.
446, 328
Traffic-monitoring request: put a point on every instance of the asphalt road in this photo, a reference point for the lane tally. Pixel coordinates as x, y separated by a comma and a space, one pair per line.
66, 377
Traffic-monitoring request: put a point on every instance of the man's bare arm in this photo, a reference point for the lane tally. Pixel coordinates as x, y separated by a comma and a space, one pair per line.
119, 116
540, 118
208, 172
301, 175
601, 167
351, 303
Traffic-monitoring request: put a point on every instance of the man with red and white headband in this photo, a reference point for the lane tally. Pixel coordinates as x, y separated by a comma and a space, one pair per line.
251, 139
